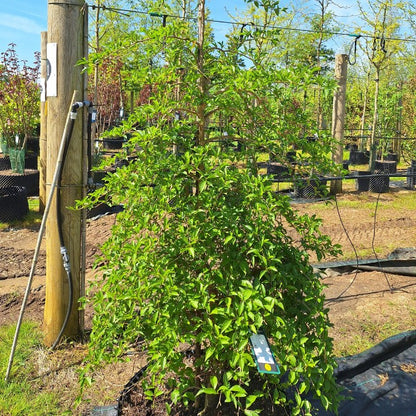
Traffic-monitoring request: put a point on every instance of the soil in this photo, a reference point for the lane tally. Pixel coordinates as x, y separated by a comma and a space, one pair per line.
364, 308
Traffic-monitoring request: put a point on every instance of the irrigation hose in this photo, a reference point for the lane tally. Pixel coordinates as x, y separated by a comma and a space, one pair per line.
56, 179
63, 250
39, 240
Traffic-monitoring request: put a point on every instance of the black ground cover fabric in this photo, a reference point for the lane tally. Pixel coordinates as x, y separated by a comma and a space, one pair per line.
380, 381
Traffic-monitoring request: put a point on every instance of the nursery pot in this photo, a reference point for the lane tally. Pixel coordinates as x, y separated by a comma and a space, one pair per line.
13, 203
29, 180
358, 158
113, 143
362, 184
279, 171
310, 188
379, 183
31, 160
33, 144
411, 178
387, 166
291, 156
392, 156
4, 163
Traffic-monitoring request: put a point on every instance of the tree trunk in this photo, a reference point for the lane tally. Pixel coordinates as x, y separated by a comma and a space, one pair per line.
363, 142
373, 142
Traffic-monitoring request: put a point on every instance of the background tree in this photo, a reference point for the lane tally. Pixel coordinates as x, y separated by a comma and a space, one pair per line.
382, 16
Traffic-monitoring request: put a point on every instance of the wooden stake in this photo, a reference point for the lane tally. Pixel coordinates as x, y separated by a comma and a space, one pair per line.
338, 115
65, 28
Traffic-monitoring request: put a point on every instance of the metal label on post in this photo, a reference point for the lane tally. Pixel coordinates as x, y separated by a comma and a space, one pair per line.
262, 354
51, 76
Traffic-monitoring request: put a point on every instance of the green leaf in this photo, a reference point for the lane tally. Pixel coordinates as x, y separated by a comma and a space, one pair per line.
239, 391
228, 239
302, 387
325, 402
214, 381
249, 412
209, 352
206, 390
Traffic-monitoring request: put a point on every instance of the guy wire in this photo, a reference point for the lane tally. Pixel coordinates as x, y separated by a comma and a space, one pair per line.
355, 253
372, 243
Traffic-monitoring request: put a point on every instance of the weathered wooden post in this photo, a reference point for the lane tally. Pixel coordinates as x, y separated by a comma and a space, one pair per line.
338, 115
65, 48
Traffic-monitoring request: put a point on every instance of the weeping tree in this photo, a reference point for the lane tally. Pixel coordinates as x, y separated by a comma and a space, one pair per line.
205, 253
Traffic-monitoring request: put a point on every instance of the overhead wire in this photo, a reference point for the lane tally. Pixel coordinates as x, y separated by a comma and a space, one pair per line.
240, 23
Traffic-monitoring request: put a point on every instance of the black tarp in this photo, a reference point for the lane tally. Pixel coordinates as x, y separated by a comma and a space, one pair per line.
380, 381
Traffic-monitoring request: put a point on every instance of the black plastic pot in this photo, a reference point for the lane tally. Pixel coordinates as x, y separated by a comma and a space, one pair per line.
386, 166
13, 203
279, 171
379, 183
358, 158
113, 143
411, 177
31, 160
33, 144
362, 184
310, 188
4, 163
351, 146
29, 179
99, 175
291, 157
392, 156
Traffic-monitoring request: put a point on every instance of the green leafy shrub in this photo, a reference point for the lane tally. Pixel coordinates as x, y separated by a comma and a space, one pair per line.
204, 253
206, 269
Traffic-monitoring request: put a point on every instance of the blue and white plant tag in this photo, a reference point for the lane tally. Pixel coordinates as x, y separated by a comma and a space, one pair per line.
263, 355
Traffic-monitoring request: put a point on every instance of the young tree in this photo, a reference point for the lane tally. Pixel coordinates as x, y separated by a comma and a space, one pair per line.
205, 253
383, 19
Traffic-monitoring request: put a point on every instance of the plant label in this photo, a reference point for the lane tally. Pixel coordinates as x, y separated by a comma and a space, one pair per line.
262, 354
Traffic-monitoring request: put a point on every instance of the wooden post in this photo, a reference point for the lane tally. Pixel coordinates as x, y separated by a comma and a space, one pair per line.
66, 29
338, 115
43, 125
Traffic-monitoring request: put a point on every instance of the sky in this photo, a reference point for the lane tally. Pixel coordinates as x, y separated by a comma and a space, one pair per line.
21, 21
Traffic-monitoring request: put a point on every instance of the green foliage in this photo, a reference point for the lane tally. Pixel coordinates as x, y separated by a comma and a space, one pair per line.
19, 98
205, 253
208, 269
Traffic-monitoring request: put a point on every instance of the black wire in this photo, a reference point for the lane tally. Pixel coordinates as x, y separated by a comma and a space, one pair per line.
373, 240
355, 253
61, 235
288, 28
89, 132
353, 44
